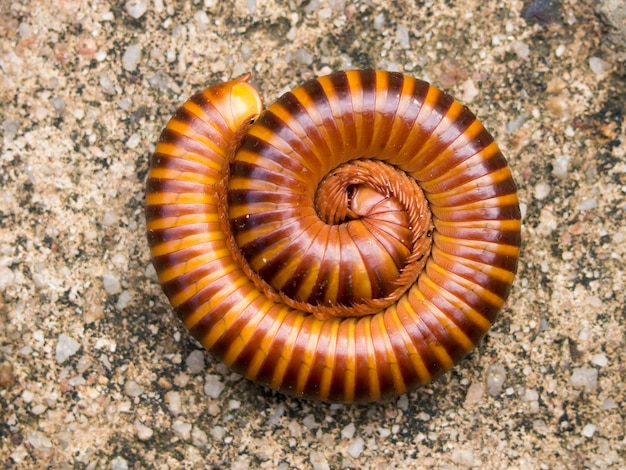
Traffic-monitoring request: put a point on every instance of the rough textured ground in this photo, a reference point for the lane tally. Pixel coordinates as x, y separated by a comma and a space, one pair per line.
95, 372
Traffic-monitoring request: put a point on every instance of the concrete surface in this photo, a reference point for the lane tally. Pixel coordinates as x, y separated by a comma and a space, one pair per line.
95, 372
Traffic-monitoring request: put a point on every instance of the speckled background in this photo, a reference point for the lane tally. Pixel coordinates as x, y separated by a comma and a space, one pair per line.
95, 371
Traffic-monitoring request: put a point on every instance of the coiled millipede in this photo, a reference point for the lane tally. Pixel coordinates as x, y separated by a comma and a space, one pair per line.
350, 242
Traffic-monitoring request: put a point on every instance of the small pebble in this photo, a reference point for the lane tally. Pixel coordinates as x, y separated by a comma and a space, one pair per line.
251, 5
119, 463
57, 103
213, 387
131, 57
195, 362
39, 441
199, 438
303, 57
144, 433
542, 190
474, 394
218, 433
587, 204
600, 360
325, 14
356, 447
136, 8
111, 284
318, 460
132, 389
174, 403
7, 278
584, 378
540, 427
66, 347
589, 430
379, 21
108, 87
182, 429
560, 166
496, 376
123, 300
337, 5
402, 37
598, 66
133, 141
10, 127
530, 395
348, 431
520, 49
463, 457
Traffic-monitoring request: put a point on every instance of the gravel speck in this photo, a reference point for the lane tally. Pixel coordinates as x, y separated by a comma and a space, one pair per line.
402, 37
218, 433
66, 347
598, 66
111, 284
199, 438
318, 460
584, 378
348, 431
463, 457
182, 429
303, 57
119, 463
356, 447
195, 362
542, 190
496, 376
560, 166
132, 389
131, 57
123, 300
587, 204
133, 141
589, 430
174, 403
474, 394
7, 278
144, 433
213, 387
136, 8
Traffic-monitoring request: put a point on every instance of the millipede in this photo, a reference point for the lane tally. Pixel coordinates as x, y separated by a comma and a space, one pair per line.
350, 242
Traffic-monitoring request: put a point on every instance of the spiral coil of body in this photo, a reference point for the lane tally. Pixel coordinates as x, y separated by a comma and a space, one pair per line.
354, 242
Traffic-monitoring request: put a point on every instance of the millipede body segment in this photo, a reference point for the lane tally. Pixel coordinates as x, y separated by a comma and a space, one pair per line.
350, 242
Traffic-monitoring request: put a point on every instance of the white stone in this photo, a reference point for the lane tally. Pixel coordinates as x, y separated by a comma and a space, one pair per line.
589, 430
132, 389
464, 457
195, 362
182, 429
318, 461
7, 278
136, 8
356, 447
598, 66
348, 431
131, 57
144, 433
111, 284
66, 347
213, 387
496, 375
174, 403
584, 378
